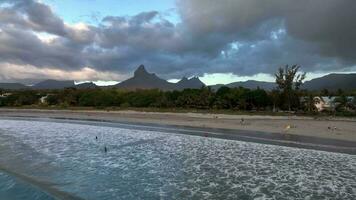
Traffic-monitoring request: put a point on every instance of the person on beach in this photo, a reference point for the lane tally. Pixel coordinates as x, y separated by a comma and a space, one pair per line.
242, 121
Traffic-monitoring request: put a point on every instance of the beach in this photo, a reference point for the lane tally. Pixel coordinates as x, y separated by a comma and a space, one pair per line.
342, 129
62, 154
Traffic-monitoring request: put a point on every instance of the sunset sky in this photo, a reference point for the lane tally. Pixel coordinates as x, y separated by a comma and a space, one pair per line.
219, 41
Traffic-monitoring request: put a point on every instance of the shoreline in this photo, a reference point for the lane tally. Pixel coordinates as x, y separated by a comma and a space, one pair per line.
340, 128
301, 132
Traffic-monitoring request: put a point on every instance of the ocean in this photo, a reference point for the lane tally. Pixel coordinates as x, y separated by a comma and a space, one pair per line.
56, 159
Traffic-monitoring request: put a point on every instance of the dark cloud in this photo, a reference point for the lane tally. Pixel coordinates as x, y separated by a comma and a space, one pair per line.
329, 24
23, 47
244, 37
29, 14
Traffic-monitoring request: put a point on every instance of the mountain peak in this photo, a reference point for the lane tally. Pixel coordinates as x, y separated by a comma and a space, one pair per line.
184, 79
189, 83
141, 71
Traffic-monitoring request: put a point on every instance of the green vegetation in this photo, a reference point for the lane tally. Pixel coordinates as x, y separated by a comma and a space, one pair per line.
287, 97
289, 82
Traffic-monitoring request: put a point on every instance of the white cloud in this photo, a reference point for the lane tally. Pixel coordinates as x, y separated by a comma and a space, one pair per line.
225, 78
45, 37
11, 71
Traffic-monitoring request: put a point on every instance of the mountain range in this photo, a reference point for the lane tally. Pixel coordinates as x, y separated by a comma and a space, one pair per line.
250, 84
332, 82
53, 84
145, 80
13, 86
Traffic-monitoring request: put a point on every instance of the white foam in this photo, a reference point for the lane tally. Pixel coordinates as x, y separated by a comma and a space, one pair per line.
153, 164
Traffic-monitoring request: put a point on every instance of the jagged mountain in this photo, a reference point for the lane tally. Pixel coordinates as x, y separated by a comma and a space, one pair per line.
144, 80
194, 83
332, 82
13, 86
53, 84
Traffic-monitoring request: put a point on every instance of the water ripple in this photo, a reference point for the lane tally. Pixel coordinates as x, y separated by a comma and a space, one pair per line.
149, 165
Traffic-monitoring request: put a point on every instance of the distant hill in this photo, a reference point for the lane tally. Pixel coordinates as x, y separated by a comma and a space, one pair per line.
193, 83
250, 84
13, 86
332, 82
53, 84
144, 80
89, 85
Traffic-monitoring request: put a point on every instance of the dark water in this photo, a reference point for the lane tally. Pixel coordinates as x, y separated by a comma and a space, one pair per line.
66, 161
13, 189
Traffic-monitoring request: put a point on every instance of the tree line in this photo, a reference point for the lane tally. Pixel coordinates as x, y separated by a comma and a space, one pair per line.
288, 96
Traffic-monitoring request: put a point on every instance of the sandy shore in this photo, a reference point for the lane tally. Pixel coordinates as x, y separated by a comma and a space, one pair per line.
343, 129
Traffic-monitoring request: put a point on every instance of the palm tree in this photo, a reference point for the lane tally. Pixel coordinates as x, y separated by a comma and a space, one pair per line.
310, 102
342, 102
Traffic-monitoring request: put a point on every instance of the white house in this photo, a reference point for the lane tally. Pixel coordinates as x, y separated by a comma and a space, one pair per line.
5, 95
325, 103
328, 103
43, 99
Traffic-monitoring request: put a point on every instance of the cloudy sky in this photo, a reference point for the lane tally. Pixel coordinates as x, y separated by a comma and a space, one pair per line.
219, 41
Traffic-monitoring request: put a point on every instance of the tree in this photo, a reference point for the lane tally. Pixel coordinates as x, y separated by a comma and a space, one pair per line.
259, 98
274, 96
223, 98
309, 102
52, 99
342, 102
340, 92
325, 92
289, 82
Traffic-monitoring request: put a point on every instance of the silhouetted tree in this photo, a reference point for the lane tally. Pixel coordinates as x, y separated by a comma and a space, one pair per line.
325, 92
289, 82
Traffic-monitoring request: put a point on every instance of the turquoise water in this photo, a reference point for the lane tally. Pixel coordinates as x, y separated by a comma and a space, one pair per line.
66, 161
13, 189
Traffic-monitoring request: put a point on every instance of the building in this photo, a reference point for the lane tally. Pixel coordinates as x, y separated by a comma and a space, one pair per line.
4, 95
325, 103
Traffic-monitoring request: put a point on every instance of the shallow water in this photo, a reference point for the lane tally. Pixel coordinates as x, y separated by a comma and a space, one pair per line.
66, 159
13, 189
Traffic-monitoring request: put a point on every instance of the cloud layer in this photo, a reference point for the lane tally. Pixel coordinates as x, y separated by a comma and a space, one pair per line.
244, 37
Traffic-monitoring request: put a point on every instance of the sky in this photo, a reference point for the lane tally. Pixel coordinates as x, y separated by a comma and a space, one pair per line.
218, 41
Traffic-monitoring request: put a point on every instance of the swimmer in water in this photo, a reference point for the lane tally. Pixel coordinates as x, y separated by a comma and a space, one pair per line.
96, 137
105, 149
